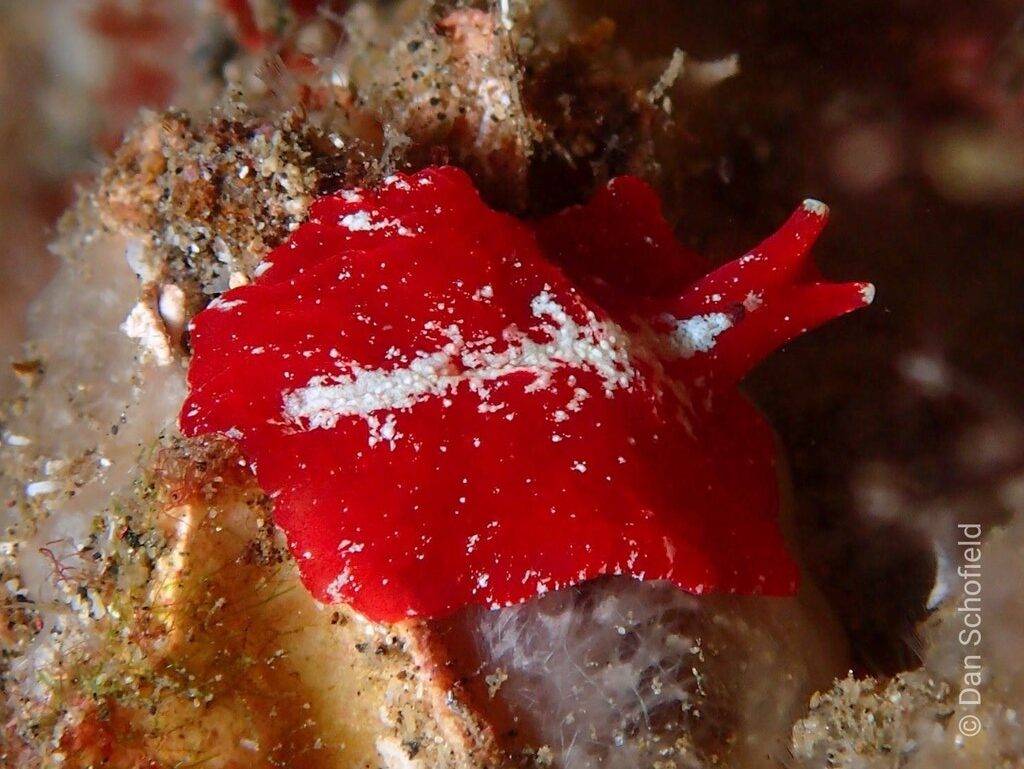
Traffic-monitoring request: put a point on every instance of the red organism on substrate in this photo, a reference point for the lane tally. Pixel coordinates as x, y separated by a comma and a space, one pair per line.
452, 406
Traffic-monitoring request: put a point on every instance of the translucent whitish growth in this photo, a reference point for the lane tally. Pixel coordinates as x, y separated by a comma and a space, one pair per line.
87, 413
620, 673
90, 418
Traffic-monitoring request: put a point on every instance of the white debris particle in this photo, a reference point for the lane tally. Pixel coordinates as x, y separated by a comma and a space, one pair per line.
220, 303
394, 755
945, 578
752, 301
385, 431
867, 293
668, 77
698, 334
579, 467
706, 74
237, 279
397, 183
363, 221
38, 488
12, 439
171, 307
482, 293
494, 682
145, 324
337, 585
578, 396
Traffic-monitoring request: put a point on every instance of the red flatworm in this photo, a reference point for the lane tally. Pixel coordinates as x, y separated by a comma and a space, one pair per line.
451, 406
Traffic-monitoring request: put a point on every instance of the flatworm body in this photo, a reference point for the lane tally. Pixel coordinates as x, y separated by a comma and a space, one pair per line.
451, 406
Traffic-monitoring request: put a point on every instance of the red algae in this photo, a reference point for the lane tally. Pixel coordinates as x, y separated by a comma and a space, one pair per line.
450, 406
